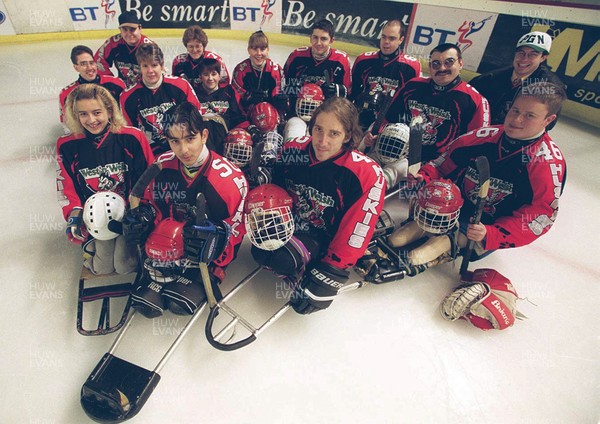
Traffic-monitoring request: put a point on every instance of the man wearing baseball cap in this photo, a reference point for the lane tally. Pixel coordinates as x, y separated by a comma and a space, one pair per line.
501, 86
119, 50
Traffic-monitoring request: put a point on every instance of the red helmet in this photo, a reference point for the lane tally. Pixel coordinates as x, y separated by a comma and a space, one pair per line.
268, 216
165, 243
309, 98
264, 116
238, 146
438, 206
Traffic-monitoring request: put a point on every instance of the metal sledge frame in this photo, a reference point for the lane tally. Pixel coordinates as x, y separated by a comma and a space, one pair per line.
117, 389
104, 293
216, 340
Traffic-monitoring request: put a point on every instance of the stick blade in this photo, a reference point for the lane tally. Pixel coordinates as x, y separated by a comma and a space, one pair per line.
415, 144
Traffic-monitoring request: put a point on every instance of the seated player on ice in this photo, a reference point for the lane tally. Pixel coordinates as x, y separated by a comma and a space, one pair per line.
258, 78
337, 196
175, 243
219, 104
85, 65
145, 104
187, 65
527, 175
98, 165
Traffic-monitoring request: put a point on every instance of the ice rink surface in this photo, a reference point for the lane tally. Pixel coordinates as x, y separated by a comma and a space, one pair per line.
381, 354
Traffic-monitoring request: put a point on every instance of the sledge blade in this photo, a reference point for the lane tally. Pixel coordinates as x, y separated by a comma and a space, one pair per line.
116, 390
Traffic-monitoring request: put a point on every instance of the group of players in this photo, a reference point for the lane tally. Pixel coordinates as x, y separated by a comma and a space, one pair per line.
299, 158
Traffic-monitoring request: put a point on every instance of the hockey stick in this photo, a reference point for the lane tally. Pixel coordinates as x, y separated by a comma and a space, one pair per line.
385, 106
483, 168
140, 186
415, 144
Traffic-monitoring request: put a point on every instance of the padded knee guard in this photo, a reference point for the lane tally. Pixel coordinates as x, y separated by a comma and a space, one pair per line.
287, 260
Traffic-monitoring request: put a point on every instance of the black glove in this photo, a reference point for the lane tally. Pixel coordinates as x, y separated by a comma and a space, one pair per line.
281, 102
206, 242
319, 286
138, 223
255, 133
253, 97
332, 90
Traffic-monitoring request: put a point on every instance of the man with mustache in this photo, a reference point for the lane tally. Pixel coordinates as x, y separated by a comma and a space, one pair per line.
448, 105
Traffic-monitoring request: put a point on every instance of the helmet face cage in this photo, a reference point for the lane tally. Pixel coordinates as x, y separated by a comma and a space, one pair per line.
309, 99
270, 229
273, 145
163, 271
101, 208
238, 153
438, 206
392, 143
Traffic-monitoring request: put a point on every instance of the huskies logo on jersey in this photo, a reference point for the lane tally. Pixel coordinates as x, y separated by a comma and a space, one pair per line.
498, 190
433, 117
105, 177
310, 205
154, 116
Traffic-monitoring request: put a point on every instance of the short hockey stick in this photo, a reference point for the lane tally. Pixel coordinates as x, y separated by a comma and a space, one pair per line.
483, 168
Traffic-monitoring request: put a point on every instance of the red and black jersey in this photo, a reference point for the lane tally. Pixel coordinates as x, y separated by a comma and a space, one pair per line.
338, 200
145, 108
113, 84
374, 72
447, 111
247, 79
186, 67
115, 51
500, 90
223, 185
224, 102
526, 182
109, 162
301, 67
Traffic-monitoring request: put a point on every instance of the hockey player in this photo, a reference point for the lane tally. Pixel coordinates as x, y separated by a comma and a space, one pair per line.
187, 65
319, 64
500, 86
219, 105
190, 168
83, 61
145, 104
101, 155
120, 50
527, 173
337, 197
259, 79
448, 106
384, 71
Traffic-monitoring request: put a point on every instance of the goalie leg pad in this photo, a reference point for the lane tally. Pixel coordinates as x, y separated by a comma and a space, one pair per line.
407, 233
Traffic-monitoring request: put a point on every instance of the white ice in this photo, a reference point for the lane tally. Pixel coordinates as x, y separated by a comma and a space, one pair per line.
381, 354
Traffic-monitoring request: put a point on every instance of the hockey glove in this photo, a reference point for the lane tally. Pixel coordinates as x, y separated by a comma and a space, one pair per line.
485, 298
255, 133
76, 230
318, 288
334, 90
206, 242
138, 223
255, 96
281, 102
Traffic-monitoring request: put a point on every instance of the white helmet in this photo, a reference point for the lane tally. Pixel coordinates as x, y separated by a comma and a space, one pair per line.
392, 143
99, 210
269, 221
